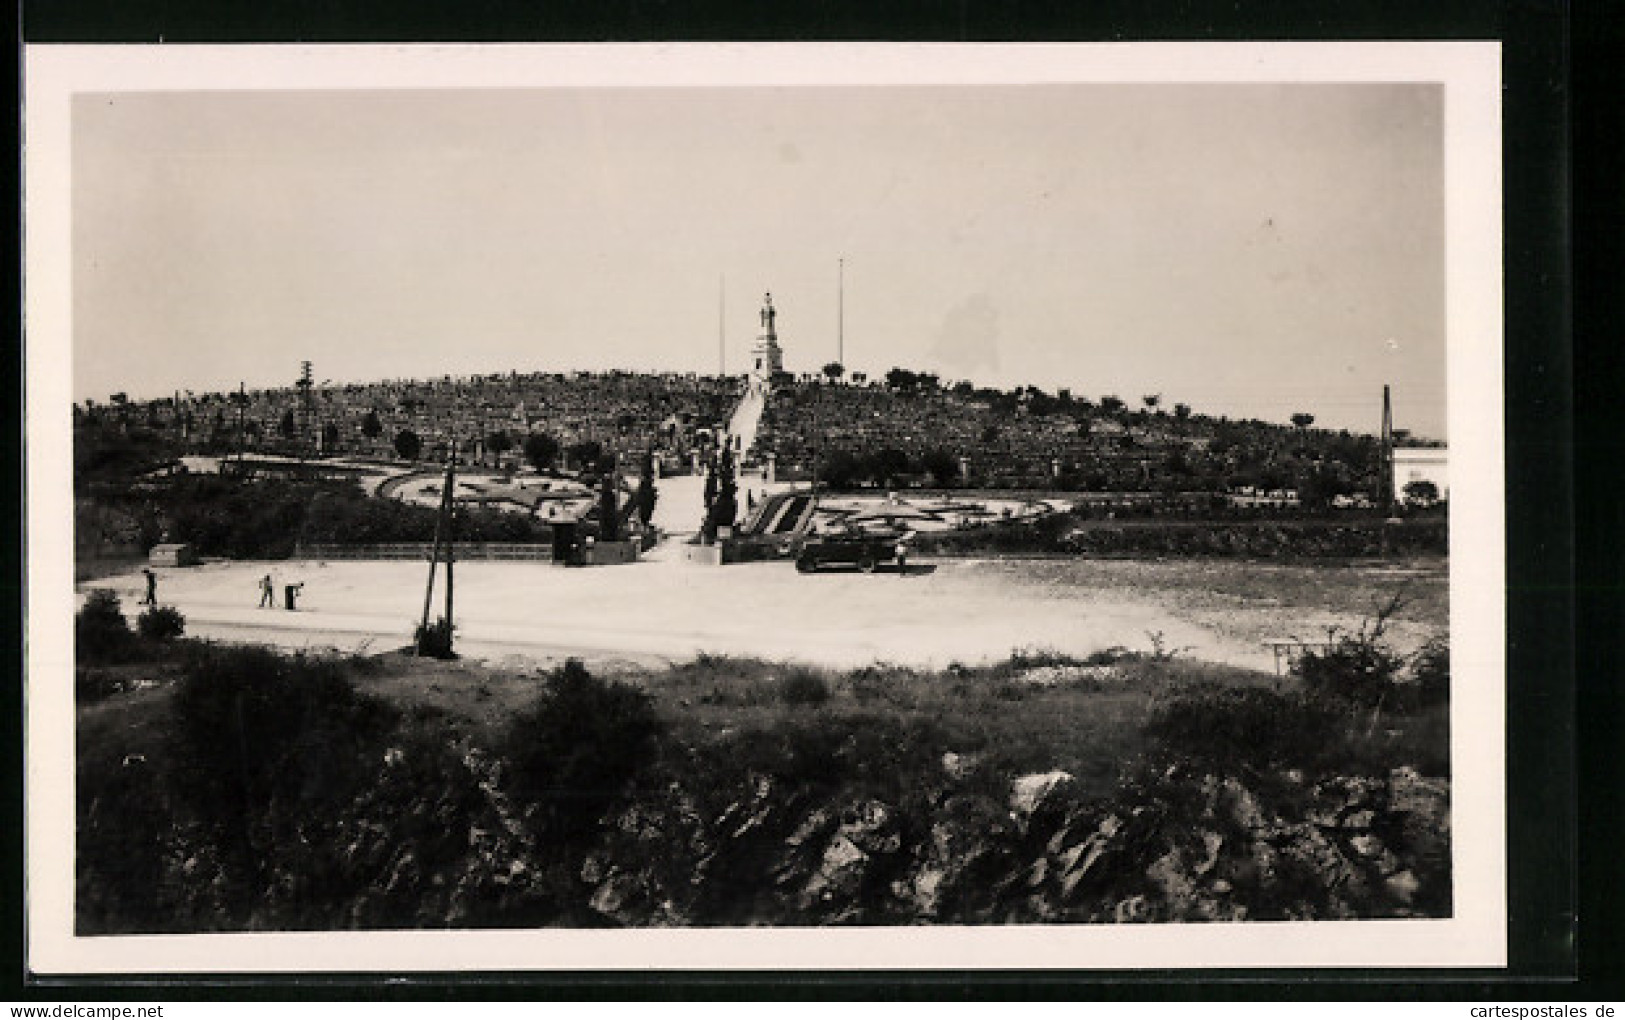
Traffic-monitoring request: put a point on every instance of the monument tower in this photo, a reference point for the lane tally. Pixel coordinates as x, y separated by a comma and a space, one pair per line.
766, 357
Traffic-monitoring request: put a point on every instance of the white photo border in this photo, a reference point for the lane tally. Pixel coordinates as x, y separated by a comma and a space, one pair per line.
1470, 73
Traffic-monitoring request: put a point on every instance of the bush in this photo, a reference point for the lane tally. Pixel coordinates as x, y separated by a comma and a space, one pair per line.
1430, 670
435, 639
1357, 668
803, 687
1235, 729
100, 632
575, 752
268, 745
161, 623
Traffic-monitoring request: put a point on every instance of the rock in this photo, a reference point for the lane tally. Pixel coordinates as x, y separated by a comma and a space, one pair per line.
1038, 873
957, 767
923, 892
1366, 845
1402, 887
1425, 803
811, 828
1335, 800
839, 875
1237, 805
872, 827
1084, 860
1134, 910
1212, 843
1360, 819
1171, 875
1030, 794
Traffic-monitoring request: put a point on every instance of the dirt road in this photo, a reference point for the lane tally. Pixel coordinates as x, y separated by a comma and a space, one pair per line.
666, 609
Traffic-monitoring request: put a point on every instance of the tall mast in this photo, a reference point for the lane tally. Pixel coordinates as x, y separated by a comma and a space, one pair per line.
840, 311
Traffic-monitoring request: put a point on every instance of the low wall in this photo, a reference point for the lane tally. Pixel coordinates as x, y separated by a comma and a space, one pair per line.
529, 551
604, 554
730, 551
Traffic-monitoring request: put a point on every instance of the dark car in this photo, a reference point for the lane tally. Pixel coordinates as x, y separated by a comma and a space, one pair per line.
863, 549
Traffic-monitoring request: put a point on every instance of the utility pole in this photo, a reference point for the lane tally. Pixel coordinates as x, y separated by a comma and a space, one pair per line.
442, 527
722, 325
1387, 479
450, 510
304, 384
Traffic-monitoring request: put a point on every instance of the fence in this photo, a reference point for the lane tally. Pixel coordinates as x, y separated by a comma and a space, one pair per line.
533, 551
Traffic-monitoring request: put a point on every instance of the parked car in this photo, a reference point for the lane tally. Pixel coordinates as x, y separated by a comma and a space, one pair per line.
864, 549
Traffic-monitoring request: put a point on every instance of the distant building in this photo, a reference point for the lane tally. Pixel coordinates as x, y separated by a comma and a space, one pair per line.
766, 357
1421, 464
173, 554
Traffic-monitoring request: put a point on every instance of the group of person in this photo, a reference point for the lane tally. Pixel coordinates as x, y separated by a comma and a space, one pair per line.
290, 593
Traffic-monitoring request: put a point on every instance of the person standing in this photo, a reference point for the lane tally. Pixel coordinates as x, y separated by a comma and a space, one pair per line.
151, 598
267, 593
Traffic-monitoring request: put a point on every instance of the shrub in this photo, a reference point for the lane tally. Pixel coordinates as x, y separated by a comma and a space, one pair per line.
1430, 670
100, 632
1231, 729
435, 639
266, 744
161, 623
1358, 668
803, 687
575, 752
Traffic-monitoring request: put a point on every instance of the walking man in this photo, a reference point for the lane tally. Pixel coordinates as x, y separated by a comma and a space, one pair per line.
267, 593
152, 587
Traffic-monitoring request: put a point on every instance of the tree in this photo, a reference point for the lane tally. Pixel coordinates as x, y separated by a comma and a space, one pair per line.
498, 443
1151, 401
834, 370
902, 380
541, 450
330, 436
710, 492
371, 427
1111, 403
722, 497
942, 466
1303, 419
647, 494
285, 427
1421, 492
888, 464
860, 378
1182, 411
408, 445
839, 469
585, 455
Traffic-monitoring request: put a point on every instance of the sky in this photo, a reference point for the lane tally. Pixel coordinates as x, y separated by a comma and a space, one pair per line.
1251, 250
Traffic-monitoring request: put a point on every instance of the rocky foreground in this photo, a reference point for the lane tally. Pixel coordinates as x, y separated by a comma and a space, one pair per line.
1180, 848
258, 792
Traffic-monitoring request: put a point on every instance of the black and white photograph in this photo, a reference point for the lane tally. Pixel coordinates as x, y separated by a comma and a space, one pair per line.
764, 505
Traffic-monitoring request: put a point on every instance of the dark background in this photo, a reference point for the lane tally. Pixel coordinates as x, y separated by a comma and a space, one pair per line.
1566, 850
